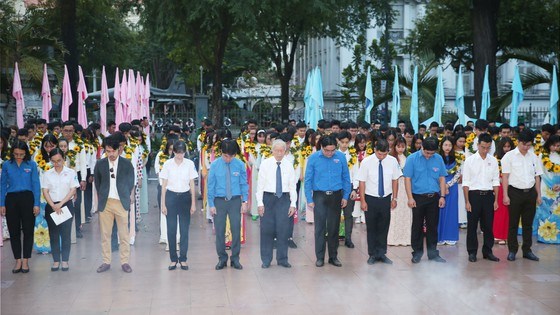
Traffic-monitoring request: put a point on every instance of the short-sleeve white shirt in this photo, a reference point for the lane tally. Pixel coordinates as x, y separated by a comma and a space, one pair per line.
178, 175
369, 173
59, 184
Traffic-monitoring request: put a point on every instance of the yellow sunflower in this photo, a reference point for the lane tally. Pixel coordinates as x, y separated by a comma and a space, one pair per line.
41, 237
369, 151
548, 230
556, 168
556, 209
76, 148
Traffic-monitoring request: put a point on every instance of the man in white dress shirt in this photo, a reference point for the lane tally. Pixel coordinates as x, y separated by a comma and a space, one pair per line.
378, 176
276, 199
521, 181
481, 182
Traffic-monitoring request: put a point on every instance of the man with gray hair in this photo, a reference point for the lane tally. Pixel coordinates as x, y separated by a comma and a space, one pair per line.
276, 199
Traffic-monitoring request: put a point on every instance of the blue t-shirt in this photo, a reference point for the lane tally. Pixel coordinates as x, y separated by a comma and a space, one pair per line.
217, 180
24, 177
424, 173
324, 174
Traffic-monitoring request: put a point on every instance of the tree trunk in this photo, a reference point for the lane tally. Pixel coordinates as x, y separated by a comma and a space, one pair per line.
68, 34
285, 97
485, 46
219, 52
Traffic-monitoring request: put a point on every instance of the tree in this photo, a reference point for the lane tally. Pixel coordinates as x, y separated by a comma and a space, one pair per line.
280, 28
474, 39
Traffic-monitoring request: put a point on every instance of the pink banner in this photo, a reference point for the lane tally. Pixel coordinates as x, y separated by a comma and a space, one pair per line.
82, 96
46, 95
66, 96
17, 93
103, 103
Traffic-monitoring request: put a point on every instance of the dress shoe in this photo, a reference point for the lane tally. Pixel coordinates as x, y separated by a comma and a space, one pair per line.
184, 265
511, 256
65, 268
415, 259
236, 265
438, 259
371, 260
265, 265
285, 264
24, 270
472, 257
528, 255
104, 267
320, 263
291, 243
349, 244
126, 268
221, 265
55, 268
18, 270
335, 262
491, 257
172, 267
79, 234
385, 260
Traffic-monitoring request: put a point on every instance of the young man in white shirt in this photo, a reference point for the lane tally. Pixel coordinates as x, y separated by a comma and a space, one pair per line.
481, 182
521, 181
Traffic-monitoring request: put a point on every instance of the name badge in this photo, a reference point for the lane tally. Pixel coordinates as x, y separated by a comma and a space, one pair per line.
235, 174
436, 169
27, 170
336, 161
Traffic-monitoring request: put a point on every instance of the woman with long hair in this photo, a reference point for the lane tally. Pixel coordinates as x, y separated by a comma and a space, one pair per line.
401, 216
501, 215
547, 217
459, 141
308, 147
360, 145
448, 231
19, 202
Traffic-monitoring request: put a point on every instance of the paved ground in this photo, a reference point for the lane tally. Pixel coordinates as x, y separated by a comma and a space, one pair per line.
457, 287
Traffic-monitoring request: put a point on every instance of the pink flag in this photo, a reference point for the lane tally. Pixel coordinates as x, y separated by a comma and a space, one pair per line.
66, 96
139, 93
46, 94
131, 99
124, 97
146, 98
82, 96
17, 93
104, 101
117, 97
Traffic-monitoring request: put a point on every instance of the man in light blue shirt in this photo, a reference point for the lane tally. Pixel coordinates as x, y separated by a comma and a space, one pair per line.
327, 187
424, 174
227, 196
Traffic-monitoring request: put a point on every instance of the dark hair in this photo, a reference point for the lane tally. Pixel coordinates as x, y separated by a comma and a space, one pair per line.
41, 121
48, 138
399, 140
500, 146
301, 124
484, 137
359, 138
430, 144
327, 140
291, 131
286, 137
415, 138
136, 122
550, 141
526, 136
94, 126
56, 151
111, 122
22, 132
352, 125
458, 136
119, 136
29, 125
68, 123
382, 145
180, 147
112, 142
434, 124
229, 147
125, 127
310, 132
343, 135
5, 148
335, 122
451, 157
505, 126
20, 145
481, 124
548, 128
252, 121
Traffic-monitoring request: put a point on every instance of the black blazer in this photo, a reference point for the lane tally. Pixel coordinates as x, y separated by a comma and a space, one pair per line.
125, 182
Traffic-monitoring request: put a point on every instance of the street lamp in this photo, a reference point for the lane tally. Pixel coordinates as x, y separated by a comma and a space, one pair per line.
201, 69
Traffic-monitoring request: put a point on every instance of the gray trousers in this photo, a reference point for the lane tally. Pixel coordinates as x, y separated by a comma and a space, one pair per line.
275, 223
225, 208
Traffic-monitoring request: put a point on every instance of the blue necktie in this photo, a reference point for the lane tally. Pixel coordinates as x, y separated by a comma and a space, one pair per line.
381, 190
228, 182
278, 180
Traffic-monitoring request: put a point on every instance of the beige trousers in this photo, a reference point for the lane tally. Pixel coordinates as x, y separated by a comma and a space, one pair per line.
114, 211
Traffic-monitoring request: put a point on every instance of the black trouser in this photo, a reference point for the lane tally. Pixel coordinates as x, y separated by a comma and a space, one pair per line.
19, 217
78, 205
327, 219
427, 209
291, 221
522, 205
59, 234
88, 194
348, 220
378, 217
232, 209
482, 209
178, 204
274, 223
159, 204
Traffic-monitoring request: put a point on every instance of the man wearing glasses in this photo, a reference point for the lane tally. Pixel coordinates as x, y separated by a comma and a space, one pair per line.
327, 187
424, 174
114, 181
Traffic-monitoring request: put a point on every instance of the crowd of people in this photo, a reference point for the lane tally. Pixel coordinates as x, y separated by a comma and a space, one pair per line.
403, 184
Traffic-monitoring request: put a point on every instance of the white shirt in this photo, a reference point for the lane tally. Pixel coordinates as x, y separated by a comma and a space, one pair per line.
522, 169
369, 173
475, 148
80, 160
113, 191
59, 184
353, 170
178, 175
267, 179
481, 174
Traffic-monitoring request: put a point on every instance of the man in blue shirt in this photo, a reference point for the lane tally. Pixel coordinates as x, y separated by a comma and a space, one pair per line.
424, 174
327, 186
227, 194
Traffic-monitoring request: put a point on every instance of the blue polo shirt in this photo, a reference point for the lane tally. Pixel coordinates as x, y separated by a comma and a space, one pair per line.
324, 174
424, 173
217, 180
24, 177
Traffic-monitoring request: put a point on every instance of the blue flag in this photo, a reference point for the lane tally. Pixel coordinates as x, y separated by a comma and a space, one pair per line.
516, 98
369, 97
460, 98
414, 101
485, 96
554, 98
396, 105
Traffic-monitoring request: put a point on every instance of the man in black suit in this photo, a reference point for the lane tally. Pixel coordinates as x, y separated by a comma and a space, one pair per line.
114, 181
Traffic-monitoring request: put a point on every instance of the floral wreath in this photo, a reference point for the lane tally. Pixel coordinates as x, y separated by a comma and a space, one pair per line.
548, 164
306, 151
43, 164
459, 159
537, 145
71, 154
369, 148
250, 148
294, 150
265, 151
353, 157
162, 159
469, 144
202, 136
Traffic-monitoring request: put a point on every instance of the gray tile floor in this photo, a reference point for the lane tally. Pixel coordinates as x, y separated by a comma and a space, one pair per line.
457, 287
